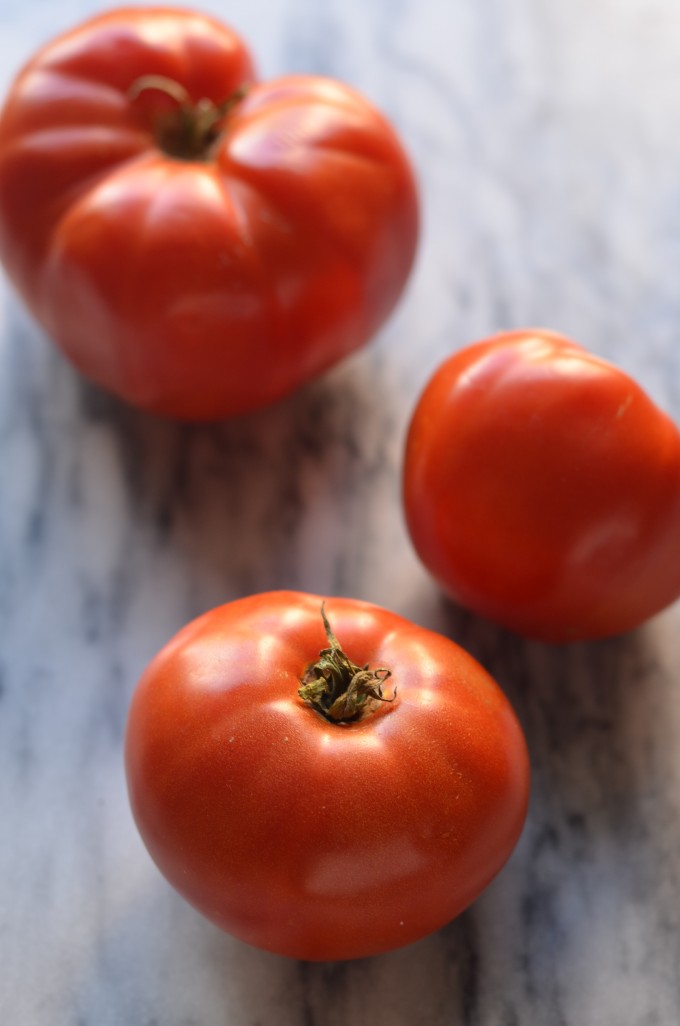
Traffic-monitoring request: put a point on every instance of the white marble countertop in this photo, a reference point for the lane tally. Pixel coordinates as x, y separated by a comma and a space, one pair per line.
545, 136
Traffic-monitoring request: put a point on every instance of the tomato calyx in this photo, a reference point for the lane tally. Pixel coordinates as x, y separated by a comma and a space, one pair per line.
189, 131
337, 688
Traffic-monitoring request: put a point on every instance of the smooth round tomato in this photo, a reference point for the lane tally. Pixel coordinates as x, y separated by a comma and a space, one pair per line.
324, 792
542, 488
197, 242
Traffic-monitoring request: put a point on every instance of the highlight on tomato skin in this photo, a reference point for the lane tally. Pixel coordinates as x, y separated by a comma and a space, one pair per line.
196, 241
322, 778
541, 488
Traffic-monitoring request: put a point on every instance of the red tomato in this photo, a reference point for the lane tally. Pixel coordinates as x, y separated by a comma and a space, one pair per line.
313, 838
542, 489
198, 260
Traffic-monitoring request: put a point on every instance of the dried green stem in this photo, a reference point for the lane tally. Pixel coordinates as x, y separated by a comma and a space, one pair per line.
337, 688
189, 131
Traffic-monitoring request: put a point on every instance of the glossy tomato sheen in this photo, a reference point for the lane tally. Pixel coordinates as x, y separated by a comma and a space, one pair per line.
198, 288
309, 838
542, 488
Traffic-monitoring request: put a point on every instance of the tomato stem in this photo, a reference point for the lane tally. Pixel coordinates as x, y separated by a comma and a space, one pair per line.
189, 131
337, 688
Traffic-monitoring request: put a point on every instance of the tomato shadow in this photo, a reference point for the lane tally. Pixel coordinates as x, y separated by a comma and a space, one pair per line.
268, 500
589, 711
157, 961
431, 982
599, 719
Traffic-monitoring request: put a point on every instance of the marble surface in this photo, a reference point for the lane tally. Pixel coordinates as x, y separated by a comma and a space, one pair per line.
545, 135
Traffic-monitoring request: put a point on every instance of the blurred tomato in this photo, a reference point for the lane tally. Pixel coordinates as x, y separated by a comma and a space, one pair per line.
196, 242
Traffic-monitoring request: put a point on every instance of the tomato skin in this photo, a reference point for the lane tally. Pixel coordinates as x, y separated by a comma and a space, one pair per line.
541, 488
201, 288
308, 838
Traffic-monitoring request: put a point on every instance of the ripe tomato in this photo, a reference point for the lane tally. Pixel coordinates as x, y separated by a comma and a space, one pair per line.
542, 488
324, 828
195, 242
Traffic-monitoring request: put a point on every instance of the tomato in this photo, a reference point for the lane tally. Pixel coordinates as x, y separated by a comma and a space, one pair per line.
542, 489
347, 822
197, 242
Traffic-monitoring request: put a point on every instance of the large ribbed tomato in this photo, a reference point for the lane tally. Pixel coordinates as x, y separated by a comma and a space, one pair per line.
348, 818
196, 242
542, 488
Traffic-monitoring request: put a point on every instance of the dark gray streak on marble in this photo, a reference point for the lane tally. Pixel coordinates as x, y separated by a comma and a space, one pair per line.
24, 411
